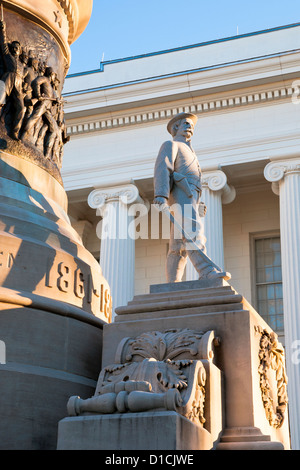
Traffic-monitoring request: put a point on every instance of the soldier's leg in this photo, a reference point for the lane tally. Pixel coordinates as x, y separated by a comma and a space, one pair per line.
176, 259
195, 251
2, 93
38, 112
52, 133
19, 110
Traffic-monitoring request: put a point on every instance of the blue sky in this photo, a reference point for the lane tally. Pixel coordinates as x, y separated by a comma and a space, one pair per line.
124, 28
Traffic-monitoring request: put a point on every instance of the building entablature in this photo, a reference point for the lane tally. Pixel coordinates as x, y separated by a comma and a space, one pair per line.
232, 80
188, 59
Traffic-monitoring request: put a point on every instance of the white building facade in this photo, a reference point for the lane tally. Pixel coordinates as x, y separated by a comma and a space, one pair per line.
244, 91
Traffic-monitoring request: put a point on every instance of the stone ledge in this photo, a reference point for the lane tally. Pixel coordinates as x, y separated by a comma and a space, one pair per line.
187, 285
166, 430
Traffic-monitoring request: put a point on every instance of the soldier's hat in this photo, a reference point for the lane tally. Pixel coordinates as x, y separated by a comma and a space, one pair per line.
180, 116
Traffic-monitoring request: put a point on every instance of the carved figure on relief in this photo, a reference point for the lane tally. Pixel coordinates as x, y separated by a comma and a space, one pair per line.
177, 191
30, 101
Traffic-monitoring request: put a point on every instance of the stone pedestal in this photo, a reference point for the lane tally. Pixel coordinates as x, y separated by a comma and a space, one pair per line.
244, 402
160, 430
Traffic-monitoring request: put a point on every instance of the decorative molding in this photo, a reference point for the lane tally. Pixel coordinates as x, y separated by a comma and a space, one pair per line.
214, 180
169, 344
221, 104
127, 194
277, 170
272, 362
217, 181
68, 9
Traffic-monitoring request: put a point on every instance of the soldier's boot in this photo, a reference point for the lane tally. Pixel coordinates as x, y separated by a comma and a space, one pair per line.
205, 269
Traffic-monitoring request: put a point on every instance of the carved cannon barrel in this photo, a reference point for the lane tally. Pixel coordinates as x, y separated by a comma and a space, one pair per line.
101, 404
135, 401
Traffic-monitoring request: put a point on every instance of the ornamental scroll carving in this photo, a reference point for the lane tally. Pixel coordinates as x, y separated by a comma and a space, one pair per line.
156, 370
273, 379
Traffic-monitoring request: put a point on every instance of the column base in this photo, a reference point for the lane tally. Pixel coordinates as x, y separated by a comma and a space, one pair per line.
247, 439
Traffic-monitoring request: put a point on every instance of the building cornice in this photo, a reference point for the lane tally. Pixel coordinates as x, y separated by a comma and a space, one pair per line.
201, 106
88, 100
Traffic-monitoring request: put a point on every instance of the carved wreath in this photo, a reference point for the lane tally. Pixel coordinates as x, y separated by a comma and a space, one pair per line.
271, 357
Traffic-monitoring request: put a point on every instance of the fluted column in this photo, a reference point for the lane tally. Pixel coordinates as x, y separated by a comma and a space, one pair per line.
285, 179
117, 253
215, 192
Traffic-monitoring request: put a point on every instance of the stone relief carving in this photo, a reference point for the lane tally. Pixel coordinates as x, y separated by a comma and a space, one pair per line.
30, 98
156, 370
273, 379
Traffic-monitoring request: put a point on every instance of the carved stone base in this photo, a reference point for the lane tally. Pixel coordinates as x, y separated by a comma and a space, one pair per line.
163, 341
156, 430
245, 349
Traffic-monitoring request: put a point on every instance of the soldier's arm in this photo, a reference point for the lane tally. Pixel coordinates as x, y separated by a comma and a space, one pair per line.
36, 87
163, 170
3, 38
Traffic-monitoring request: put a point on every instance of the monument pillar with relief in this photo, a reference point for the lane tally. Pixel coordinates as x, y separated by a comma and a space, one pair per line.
54, 299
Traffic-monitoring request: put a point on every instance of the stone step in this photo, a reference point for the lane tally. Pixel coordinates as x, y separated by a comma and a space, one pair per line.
179, 303
177, 295
188, 285
154, 314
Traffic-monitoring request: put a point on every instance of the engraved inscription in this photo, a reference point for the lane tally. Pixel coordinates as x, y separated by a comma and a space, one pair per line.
74, 281
64, 280
79, 284
6, 259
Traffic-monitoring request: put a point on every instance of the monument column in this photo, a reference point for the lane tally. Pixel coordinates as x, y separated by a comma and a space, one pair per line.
215, 192
117, 254
285, 179
54, 300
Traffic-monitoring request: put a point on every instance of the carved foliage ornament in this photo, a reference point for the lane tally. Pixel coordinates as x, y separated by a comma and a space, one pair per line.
154, 370
273, 379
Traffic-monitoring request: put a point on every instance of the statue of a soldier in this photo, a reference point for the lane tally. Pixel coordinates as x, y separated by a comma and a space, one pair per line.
177, 187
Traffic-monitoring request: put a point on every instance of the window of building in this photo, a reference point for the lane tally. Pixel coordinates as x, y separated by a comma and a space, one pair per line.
268, 280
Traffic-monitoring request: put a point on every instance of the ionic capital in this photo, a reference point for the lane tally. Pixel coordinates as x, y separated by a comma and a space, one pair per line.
277, 170
126, 194
217, 181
